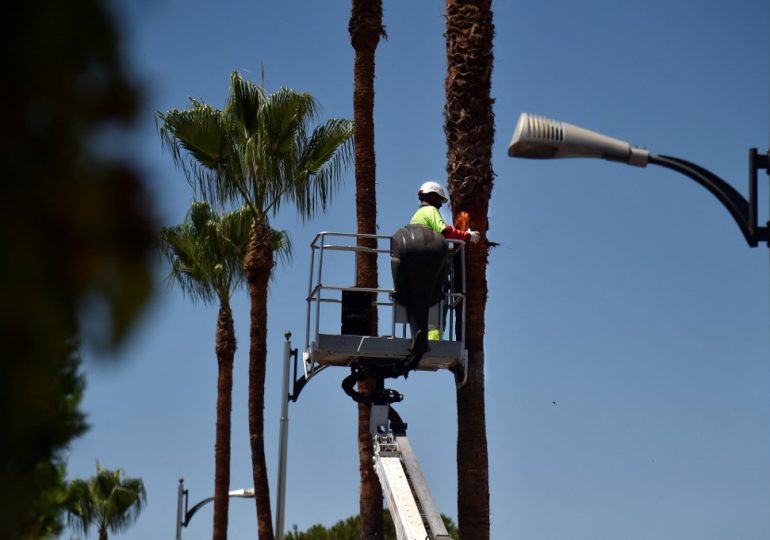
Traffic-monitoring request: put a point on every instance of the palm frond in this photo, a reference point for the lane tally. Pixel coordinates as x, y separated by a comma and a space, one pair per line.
263, 172
80, 506
287, 113
283, 124
125, 503
201, 131
244, 102
184, 255
198, 217
323, 158
200, 144
280, 243
236, 227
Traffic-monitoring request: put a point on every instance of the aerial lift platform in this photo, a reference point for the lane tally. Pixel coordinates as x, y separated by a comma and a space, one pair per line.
337, 321
328, 346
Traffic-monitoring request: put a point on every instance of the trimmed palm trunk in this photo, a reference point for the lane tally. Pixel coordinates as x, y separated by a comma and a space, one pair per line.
365, 29
259, 263
469, 128
225, 349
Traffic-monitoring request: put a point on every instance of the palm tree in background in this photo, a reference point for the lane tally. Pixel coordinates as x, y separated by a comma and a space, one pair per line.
107, 500
206, 255
365, 30
469, 129
259, 152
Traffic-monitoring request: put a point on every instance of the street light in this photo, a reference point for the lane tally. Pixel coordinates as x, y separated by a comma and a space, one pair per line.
536, 137
183, 517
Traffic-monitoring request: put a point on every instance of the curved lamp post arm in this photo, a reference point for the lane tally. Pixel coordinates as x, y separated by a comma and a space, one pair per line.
184, 516
191, 512
241, 493
743, 211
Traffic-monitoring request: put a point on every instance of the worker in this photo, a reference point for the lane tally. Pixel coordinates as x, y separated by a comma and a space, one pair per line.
432, 197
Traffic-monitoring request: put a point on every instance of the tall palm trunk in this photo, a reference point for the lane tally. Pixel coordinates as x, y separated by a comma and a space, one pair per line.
259, 264
469, 127
365, 29
103, 533
225, 349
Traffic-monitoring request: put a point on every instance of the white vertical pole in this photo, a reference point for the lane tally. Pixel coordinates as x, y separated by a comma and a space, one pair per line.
179, 497
283, 441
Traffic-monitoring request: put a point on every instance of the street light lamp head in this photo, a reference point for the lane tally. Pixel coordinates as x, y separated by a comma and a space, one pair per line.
536, 137
245, 493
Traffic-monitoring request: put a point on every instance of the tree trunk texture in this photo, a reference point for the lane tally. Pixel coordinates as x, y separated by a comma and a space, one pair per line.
259, 264
225, 349
365, 29
103, 533
469, 127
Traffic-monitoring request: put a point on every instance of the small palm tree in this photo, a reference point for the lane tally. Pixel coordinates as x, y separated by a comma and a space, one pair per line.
106, 500
259, 152
206, 256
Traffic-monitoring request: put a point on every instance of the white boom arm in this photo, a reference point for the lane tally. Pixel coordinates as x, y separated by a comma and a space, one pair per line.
409, 500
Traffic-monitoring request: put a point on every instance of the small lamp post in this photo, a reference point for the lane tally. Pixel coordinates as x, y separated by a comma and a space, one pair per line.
536, 137
183, 516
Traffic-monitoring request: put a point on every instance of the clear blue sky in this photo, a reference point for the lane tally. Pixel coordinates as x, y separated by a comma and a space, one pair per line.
628, 333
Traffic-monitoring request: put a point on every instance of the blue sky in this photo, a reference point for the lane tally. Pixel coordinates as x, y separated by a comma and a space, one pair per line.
628, 323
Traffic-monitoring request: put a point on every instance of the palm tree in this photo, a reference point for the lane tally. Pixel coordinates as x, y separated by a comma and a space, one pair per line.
106, 500
259, 151
365, 29
206, 254
469, 128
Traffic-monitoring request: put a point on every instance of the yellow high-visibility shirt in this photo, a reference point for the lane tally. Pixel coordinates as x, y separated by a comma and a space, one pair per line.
430, 217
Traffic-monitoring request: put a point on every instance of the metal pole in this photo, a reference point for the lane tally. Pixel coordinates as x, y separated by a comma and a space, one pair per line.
283, 440
753, 192
320, 289
179, 497
309, 304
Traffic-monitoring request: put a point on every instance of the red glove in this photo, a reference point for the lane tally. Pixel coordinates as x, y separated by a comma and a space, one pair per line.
452, 233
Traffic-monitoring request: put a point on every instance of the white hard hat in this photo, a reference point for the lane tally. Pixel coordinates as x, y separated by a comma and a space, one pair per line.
433, 187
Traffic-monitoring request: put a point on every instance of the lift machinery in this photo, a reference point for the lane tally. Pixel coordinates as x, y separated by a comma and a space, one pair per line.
428, 288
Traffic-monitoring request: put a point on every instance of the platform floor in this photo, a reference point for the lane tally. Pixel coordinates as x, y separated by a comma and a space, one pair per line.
345, 350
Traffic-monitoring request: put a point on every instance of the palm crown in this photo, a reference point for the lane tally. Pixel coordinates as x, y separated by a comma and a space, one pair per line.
106, 500
259, 150
206, 252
